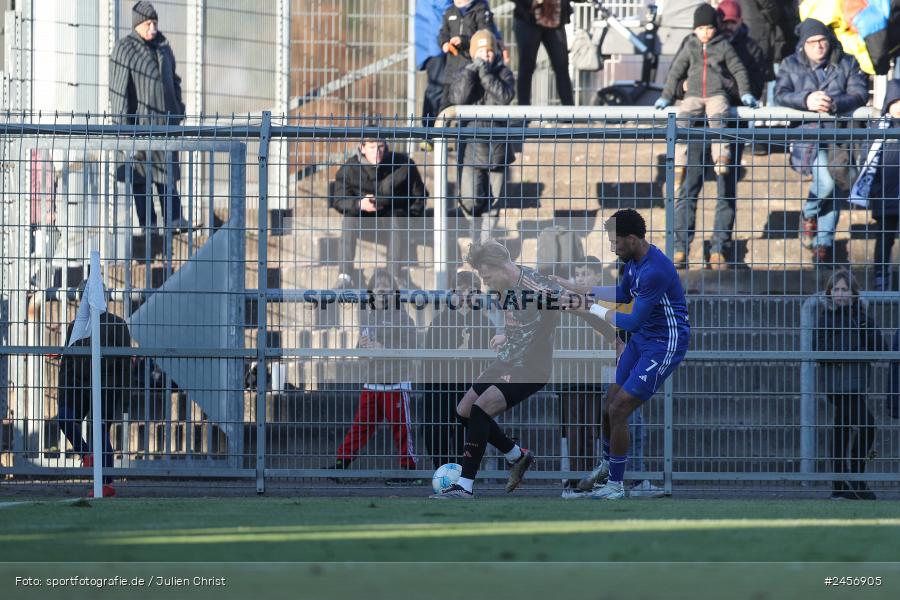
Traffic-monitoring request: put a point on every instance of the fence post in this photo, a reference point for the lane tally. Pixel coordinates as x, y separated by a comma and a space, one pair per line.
261, 292
440, 214
411, 70
236, 228
668, 397
807, 388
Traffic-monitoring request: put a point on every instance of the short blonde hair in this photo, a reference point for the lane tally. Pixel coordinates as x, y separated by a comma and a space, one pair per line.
489, 252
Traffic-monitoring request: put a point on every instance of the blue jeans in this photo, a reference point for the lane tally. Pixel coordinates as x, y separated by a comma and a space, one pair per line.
821, 203
686, 201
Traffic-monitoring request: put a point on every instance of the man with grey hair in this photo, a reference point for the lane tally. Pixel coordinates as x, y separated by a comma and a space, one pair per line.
144, 89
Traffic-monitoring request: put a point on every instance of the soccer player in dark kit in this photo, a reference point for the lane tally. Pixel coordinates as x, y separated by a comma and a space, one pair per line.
530, 305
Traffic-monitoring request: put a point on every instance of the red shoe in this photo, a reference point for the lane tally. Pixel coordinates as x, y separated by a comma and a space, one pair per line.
87, 461
108, 492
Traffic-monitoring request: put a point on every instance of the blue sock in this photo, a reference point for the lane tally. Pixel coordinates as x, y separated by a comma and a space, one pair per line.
617, 468
604, 446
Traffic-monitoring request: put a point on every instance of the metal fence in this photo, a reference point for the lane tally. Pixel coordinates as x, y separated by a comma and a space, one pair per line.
245, 317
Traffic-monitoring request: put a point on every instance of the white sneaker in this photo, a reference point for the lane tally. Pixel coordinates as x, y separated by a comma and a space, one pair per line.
611, 490
645, 489
599, 475
569, 493
454, 492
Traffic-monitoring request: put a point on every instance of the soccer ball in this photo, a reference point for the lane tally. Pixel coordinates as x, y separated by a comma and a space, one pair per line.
445, 476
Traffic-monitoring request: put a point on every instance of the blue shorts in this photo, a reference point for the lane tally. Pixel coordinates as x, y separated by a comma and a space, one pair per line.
644, 367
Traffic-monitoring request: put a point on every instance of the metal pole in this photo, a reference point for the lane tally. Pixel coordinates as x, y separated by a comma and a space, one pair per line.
411, 70
807, 387
237, 256
440, 214
262, 283
96, 404
668, 398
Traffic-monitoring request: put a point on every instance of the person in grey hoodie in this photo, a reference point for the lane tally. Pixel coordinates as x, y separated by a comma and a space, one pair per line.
713, 70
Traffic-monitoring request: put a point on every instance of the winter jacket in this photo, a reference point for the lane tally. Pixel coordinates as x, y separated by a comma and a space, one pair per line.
395, 182
392, 328
844, 82
488, 84
846, 329
429, 18
759, 69
771, 25
711, 70
115, 371
523, 11
463, 22
884, 195
144, 89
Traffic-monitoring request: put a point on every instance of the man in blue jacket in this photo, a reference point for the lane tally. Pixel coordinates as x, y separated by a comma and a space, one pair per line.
822, 78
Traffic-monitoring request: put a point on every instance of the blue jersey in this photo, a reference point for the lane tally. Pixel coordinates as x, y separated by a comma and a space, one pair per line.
659, 315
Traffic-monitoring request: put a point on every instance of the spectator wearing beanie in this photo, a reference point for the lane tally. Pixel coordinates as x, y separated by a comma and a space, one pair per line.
713, 72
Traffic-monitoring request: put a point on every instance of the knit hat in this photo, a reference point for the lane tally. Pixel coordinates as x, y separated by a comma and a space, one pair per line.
811, 28
729, 10
705, 15
142, 11
483, 38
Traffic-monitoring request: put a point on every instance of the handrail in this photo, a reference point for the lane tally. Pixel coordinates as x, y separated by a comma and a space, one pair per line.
593, 113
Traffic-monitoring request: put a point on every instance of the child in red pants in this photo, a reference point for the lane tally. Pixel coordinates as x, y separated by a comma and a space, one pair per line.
383, 324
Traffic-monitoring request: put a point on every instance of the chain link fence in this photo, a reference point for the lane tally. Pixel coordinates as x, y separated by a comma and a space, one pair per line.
247, 302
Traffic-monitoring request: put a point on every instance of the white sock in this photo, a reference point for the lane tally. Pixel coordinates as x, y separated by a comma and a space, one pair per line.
514, 454
466, 484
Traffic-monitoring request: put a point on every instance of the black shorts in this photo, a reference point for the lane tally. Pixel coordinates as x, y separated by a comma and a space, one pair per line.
516, 384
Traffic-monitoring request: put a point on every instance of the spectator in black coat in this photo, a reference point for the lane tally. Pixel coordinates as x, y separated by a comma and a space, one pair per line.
376, 191
461, 22
536, 23
844, 326
771, 25
145, 89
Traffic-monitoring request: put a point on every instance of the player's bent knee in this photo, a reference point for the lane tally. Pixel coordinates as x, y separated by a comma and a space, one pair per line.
491, 401
618, 411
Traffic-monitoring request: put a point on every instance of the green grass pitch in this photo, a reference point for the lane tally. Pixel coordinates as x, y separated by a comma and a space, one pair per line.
528, 539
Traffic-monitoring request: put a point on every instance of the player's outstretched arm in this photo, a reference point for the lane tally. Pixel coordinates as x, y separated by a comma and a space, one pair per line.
650, 293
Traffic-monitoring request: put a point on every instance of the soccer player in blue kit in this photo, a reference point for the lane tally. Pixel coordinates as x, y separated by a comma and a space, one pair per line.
660, 333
